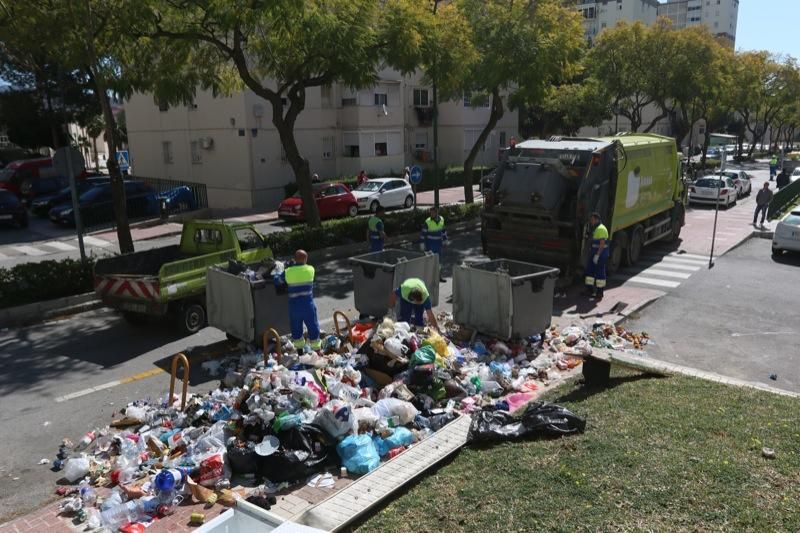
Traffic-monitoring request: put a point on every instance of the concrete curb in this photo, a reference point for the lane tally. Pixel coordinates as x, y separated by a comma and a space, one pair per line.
35, 312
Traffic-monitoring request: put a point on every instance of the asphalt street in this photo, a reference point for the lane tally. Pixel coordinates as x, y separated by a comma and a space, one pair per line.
740, 319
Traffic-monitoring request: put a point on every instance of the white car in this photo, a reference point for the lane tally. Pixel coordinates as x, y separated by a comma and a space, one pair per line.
787, 234
795, 175
386, 192
742, 181
713, 189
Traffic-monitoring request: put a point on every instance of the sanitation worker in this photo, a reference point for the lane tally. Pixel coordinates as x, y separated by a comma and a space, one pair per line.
598, 257
375, 232
299, 277
434, 235
414, 300
773, 167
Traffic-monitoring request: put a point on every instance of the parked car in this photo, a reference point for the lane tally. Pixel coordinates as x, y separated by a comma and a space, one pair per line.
713, 189
23, 171
713, 153
97, 205
11, 210
42, 205
45, 185
795, 175
742, 181
787, 234
387, 192
333, 200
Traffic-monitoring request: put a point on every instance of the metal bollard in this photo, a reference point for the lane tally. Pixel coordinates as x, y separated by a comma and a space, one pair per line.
272, 332
336, 315
179, 358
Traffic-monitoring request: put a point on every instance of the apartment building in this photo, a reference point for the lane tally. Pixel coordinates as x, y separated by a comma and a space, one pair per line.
601, 14
720, 16
230, 144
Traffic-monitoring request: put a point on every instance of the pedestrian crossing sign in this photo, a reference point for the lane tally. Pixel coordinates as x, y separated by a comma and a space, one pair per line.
123, 160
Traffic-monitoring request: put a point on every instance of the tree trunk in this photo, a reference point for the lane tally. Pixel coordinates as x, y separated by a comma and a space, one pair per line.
494, 117
117, 184
96, 156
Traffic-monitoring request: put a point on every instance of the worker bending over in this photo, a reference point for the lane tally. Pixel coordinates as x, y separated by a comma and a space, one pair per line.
414, 299
299, 277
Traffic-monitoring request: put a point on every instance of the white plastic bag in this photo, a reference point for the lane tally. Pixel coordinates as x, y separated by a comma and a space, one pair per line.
337, 418
76, 468
390, 407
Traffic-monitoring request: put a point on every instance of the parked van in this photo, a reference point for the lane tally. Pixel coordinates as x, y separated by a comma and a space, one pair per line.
24, 171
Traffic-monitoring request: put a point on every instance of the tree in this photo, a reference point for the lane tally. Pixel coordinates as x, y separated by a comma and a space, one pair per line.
522, 48
566, 108
282, 48
629, 61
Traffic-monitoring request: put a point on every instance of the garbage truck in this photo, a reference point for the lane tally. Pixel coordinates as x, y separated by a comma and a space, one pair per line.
544, 192
171, 281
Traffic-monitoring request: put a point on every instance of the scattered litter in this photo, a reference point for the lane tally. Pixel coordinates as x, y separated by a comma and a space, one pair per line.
773, 377
44, 461
322, 481
768, 453
46, 423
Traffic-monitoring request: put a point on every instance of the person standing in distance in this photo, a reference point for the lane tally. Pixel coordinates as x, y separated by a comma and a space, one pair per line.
433, 236
598, 257
763, 198
375, 232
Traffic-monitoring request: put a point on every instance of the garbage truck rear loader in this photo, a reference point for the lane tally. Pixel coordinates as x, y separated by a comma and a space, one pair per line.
545, 190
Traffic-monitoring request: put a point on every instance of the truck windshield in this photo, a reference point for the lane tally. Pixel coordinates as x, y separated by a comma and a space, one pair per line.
248, 239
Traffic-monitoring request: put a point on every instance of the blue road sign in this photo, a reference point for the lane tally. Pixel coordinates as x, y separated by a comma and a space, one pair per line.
416, 175
123, 160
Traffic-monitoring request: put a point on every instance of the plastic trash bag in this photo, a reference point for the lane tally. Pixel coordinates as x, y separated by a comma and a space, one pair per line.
423, 356
242, 460
76, 468
358, 454
390, 407
337, 418
400, 437
437, 342
304, 450
540, 418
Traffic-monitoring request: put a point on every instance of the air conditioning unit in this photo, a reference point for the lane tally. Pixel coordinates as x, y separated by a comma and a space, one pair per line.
207, 143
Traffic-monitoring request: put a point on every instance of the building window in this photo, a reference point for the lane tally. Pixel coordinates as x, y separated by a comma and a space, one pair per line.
166, 150
163, 106
326, 94
350, 145
348, 101
476, 101
327, 147
381, 99
421, 140
4, 141
197, 156
502, 139
421, 98
381, 148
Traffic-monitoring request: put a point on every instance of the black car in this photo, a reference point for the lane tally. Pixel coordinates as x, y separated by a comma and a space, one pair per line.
42, 205
97, 205
30, 190
11, 210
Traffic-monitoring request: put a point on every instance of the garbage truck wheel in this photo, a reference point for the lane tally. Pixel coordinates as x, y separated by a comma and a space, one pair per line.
135, 319
192, 318
677, 222
618, 242
635, 245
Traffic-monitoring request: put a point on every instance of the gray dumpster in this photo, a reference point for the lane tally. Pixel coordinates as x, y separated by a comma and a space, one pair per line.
245, 309
504, 298
377, 274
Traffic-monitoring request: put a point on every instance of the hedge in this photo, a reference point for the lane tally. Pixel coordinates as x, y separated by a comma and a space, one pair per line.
448, 177
352, 230
47, 280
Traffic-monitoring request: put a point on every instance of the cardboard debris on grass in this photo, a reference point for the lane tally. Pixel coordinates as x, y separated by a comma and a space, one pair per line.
309, 417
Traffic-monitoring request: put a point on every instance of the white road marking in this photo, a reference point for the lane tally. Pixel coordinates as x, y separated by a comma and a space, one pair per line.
655, 282
94, 241
58, 245
90, 390
688, 256
763, 333
681, 261
658, 272
29, 250
673, 266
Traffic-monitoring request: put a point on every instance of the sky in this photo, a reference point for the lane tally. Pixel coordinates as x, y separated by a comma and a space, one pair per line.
769, 25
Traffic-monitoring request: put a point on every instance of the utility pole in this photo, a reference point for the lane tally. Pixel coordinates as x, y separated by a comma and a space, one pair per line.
716, 211
435, 127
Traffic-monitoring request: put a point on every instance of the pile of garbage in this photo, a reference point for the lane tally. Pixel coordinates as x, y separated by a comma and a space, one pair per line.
295, 417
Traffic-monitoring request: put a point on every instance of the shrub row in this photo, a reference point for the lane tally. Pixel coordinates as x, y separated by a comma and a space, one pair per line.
47, 280
351, 230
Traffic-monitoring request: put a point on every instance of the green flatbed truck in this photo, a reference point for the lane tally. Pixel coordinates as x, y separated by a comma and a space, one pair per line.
545, 190
171, 281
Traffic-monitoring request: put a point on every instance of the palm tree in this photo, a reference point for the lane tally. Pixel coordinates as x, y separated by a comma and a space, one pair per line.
94, 128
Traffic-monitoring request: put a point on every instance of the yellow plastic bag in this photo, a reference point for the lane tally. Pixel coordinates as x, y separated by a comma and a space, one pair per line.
438, 343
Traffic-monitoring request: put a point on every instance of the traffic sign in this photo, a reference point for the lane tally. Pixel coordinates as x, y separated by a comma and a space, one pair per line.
416, 175
123, 160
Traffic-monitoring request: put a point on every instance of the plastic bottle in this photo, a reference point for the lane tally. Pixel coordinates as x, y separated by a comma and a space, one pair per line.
114, 499
88, 494
86, 440
123, 513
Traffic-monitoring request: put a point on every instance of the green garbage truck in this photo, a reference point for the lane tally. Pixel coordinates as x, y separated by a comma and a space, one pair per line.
171, 281
545, 190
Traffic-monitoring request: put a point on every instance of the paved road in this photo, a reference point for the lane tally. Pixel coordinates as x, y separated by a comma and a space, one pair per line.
740, 319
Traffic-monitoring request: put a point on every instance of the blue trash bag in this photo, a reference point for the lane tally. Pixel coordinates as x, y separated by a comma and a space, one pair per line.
358, 454
400, 437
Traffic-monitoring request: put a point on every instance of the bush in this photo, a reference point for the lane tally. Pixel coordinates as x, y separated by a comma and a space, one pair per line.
36, 282
351, 230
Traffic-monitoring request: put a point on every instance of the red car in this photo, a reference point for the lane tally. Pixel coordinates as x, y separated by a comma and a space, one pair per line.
333, 200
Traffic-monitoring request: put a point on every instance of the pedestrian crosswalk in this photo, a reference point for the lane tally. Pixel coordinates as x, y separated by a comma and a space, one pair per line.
656, 271
42, 249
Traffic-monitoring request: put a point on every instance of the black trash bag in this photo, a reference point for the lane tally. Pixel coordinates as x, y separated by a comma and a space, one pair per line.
243, 460
305, 450
541, 419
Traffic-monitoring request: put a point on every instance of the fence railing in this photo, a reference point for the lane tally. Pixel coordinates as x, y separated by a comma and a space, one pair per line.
784, 199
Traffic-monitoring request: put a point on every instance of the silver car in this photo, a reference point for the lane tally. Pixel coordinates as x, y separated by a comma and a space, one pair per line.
787, 234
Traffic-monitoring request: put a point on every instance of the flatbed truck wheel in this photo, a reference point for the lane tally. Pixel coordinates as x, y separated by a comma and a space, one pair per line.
192, 318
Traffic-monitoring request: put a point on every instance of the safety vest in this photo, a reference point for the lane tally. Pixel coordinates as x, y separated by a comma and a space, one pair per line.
372, 224
773, 161
412, 284
600, 232
434, 230
300, 279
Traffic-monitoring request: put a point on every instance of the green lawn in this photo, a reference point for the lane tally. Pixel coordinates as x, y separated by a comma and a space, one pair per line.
658, 454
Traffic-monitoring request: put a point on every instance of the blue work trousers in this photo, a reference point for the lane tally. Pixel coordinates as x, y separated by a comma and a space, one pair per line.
407, 309
303, 311
596, 273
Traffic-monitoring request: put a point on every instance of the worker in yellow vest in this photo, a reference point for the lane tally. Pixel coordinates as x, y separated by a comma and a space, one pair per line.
434, 235
598, 257
299, 277
414, 300
375, 232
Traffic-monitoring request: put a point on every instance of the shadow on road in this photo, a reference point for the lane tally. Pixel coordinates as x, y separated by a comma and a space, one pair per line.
89, 344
